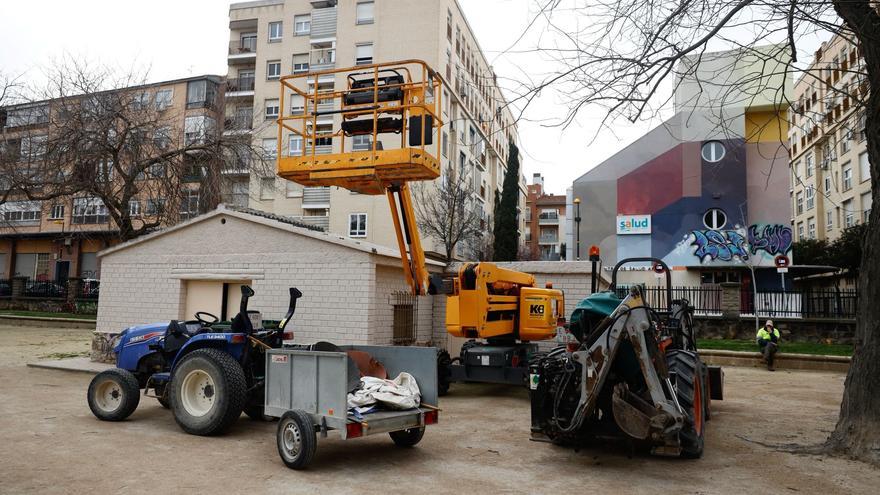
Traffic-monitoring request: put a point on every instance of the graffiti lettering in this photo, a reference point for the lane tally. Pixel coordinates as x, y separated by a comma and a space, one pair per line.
774, 239
724, 245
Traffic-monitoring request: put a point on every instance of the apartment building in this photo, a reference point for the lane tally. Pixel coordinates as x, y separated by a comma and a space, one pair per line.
829, 168
56, 239
545, 225
271, 38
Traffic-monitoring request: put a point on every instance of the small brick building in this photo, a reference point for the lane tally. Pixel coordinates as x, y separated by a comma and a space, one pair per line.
353, 292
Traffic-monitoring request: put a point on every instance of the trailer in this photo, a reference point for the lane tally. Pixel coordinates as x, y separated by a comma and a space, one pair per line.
308, 390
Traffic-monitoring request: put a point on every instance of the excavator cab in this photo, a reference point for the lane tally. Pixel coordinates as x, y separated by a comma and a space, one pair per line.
372, 135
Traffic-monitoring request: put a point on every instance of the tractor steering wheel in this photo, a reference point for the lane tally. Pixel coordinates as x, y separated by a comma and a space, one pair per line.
202, 317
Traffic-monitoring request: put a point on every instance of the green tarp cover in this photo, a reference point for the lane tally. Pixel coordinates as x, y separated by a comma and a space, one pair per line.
600, 304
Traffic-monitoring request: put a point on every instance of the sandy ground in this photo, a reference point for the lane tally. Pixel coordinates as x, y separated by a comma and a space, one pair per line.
51, 443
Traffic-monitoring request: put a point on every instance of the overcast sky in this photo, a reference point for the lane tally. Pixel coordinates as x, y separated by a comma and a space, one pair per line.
178, 38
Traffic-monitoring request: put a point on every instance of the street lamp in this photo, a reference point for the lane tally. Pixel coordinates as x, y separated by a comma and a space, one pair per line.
577, 229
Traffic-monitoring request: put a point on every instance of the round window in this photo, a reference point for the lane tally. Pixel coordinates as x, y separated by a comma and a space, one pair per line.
715, 219
713, 151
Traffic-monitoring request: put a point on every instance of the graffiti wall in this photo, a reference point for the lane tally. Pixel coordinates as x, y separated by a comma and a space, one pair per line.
757, 245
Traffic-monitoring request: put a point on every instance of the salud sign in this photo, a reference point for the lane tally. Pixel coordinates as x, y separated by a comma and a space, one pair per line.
633, 224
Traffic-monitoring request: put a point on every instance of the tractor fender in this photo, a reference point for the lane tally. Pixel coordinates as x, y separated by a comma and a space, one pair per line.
134, 344
231, 343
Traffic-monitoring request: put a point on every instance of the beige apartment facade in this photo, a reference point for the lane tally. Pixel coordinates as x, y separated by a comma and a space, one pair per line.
273, 38
53, 240
830, 172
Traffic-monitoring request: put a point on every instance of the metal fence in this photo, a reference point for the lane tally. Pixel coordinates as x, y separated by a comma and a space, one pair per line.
5, 287
811, 303
808, 303
44, 289
705, 300
404, 304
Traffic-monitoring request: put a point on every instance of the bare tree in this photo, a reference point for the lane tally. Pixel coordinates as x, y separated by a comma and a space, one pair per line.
448, 212
630, 58
119, 149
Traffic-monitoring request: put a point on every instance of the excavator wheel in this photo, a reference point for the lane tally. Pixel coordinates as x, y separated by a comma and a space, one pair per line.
688, 380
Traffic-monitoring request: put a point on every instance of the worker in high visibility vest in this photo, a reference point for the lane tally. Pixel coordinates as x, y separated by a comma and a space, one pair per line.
768, 341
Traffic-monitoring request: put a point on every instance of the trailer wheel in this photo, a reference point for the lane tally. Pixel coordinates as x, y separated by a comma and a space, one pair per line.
408, 438
688, 384
113, 394
296, 439
208, 392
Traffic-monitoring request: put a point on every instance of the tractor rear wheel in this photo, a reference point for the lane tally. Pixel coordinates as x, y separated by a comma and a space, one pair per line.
113, 394
208, 392
687, 380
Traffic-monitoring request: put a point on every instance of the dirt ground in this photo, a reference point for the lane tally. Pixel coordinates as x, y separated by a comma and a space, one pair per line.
51, 443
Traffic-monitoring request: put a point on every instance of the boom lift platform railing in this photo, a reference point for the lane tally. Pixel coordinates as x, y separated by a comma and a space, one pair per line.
379, 101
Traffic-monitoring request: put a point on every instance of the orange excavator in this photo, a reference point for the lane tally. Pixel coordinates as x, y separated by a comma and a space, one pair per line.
373, 129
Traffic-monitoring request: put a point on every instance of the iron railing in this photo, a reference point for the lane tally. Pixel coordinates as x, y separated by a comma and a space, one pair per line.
5, 287
808, 303
705, 300
236, 84
44, 289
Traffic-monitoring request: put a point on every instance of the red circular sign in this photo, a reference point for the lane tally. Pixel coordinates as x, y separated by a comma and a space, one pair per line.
782, 261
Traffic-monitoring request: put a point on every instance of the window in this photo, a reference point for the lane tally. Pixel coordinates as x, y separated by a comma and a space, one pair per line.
867, 202
864, 167
365, 12
20, 211
162, 137
799, 202
89, 211
845, 140
200, 94
811, 197
272, 109
715, 219
361, 143
267, 188
58, 212
800, 230
357, 225
275, 32
104, 170
445, 144
248, 43
36, 114
297, 105
189, 204
713, 151
270, 148
849, 215
300, 63
847, 177
155, 207
196, 129
140, 100
811, 228
363, 54
295, 146
810, 165
827, 184
829, 220
134, 208
33, 147
273, 69
302, 24
861, 127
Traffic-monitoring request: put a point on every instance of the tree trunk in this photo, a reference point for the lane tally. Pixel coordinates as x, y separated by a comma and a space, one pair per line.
857, 433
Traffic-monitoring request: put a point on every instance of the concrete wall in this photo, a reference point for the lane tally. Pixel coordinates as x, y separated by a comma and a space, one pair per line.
790, 330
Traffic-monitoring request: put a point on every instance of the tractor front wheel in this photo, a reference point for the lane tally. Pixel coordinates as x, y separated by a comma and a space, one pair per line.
113, 394
687, 368
208, 392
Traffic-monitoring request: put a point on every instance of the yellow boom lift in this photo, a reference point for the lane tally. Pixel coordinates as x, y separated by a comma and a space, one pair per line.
382, 127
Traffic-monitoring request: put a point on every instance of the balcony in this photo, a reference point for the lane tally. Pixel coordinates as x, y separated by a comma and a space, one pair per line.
548, 239
241, 123
322, 58
243, 51
548, 219
316, 198
239, 87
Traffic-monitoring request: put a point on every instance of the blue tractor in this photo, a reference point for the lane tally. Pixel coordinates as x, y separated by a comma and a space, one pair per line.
207, 373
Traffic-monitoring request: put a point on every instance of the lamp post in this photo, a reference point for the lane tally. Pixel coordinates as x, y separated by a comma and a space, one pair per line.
577, 229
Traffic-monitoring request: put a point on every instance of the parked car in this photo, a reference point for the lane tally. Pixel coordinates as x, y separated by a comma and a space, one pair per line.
5, 288
44, 289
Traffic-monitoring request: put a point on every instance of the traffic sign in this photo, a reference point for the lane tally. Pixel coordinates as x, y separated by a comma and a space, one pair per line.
782, 261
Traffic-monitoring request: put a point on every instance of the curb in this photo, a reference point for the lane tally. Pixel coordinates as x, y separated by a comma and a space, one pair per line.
78, 365
809, 362
45, 321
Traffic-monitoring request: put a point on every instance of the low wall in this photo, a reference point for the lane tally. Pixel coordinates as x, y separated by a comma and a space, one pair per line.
790, 329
